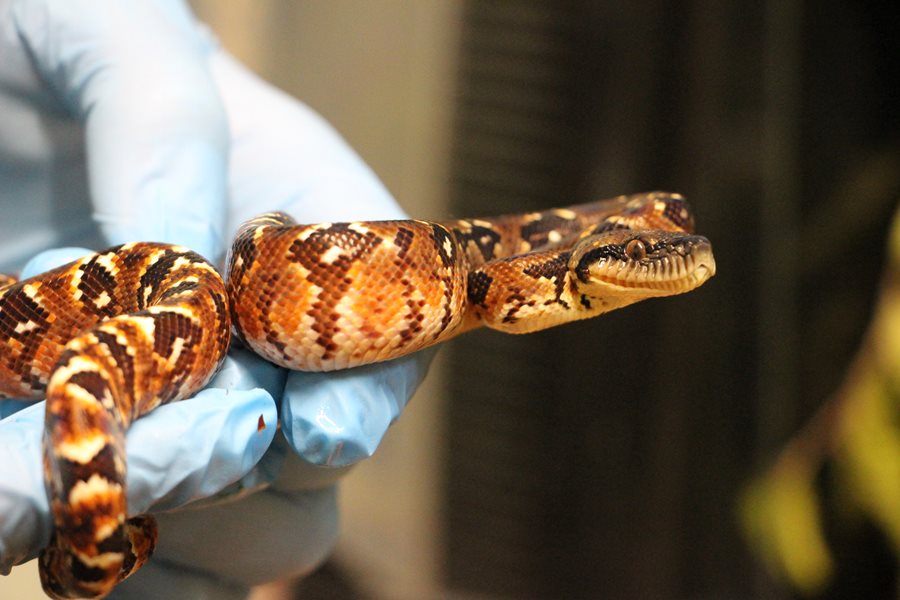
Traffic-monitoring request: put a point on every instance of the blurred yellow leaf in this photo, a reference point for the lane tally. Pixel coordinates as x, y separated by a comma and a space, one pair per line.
869, 454
858, 429
781, 515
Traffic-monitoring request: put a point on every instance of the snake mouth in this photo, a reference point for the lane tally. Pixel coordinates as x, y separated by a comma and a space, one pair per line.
672, 275
662, 270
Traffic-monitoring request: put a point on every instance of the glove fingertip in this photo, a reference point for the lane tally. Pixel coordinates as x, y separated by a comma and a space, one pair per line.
338, 419
322, 449
50, 259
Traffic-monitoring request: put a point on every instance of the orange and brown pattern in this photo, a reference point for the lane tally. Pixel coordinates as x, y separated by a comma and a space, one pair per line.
106, 339
334, 295
339, 295
114, 335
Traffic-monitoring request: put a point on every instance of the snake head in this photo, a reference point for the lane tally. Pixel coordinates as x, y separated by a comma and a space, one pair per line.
641, 264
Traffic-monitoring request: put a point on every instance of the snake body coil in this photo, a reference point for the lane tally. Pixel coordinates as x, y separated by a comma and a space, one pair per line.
115, 334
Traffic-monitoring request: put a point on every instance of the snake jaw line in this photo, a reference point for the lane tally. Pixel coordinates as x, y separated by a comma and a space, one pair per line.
674, 263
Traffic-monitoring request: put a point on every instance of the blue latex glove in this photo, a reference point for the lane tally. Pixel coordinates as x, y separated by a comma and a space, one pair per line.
158, 103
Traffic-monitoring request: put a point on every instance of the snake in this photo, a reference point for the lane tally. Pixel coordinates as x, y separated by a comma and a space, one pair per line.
115, 334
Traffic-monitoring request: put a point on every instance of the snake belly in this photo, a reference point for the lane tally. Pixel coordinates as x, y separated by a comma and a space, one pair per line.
110, 337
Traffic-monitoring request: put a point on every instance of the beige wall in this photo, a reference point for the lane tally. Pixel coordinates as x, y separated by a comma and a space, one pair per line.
380, 71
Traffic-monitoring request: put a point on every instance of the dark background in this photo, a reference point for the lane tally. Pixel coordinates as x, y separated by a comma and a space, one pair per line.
618, 475
606, 460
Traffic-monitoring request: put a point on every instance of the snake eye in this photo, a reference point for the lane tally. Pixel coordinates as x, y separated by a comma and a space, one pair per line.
635, 250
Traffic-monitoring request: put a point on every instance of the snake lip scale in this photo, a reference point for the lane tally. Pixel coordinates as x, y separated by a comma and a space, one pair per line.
115, 334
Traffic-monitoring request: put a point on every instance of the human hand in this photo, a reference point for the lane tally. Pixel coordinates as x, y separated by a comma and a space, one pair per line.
156, 143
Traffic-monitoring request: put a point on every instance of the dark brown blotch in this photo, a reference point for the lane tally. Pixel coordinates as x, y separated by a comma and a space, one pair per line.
403, 240
537, 232
121, 358
331, 277
95, 281
486, 239
554, 269
170, 326
154, 276
478, 284
678, 212
443, 240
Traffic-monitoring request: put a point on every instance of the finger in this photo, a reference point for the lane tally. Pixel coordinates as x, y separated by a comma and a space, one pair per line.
137, 76
50, 259
339, 418
25, 523
192, 449
244, 370
286, 153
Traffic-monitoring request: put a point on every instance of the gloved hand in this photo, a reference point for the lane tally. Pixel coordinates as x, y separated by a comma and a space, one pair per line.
163, 110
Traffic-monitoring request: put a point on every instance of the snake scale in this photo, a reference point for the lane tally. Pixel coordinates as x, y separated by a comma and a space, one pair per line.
115, 334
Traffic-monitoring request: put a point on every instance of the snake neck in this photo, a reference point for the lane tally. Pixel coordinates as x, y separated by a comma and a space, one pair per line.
531, 293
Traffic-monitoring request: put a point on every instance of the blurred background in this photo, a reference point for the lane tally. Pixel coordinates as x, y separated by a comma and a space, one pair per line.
612, 459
